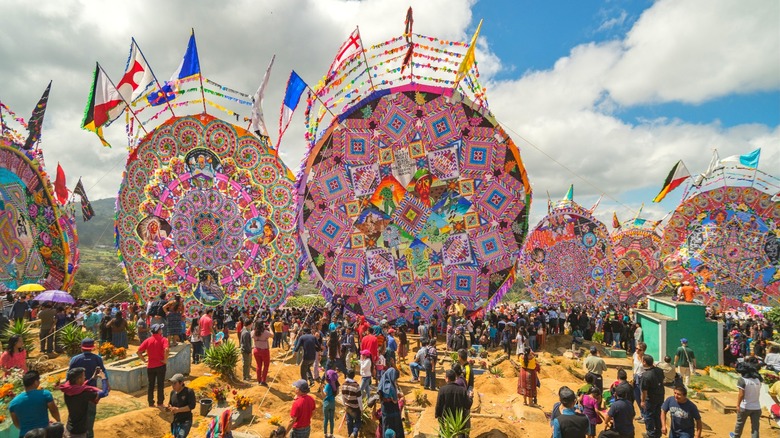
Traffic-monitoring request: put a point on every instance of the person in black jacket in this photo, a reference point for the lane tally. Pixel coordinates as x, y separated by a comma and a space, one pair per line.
453, 397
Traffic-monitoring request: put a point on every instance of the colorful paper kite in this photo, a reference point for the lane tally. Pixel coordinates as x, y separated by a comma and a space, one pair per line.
726, 238
638, 270
568, 257
38, 240
206, 209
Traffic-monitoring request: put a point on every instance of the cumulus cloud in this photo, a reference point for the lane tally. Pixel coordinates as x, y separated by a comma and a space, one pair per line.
563, 118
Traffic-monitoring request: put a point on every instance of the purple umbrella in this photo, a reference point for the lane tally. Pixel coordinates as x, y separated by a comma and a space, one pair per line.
57, 296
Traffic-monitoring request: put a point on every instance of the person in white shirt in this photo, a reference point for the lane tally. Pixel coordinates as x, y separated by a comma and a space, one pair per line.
521, 341
772, 359
749, 386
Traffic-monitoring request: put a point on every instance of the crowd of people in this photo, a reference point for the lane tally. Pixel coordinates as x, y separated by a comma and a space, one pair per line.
334, 347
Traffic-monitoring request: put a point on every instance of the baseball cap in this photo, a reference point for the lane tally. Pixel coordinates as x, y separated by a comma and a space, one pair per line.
365, 353
88, 344
566, 395
178, 377
684, 341
301, 385
157, 327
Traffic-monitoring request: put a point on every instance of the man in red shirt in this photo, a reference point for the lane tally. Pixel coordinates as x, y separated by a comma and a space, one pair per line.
206, 328
302, 410
156, 347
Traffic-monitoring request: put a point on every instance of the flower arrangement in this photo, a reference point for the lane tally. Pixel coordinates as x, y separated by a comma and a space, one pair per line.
275, 420
242, 402
108, 351
724, 369
7, 391
219, 393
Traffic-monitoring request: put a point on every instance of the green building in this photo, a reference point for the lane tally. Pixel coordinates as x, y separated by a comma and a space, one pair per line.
665, 322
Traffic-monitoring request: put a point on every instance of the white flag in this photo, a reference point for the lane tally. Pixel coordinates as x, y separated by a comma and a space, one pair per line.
258, 122
138, 76
714, 164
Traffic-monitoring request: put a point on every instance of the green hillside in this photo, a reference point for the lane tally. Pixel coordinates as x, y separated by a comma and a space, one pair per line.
99, 231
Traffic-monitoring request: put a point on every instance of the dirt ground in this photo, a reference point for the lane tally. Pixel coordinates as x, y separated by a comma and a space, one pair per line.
498, 409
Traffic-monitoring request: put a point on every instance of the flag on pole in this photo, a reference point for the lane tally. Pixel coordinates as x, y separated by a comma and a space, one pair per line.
710, 169
677, 175
60, 189
35, 123
189, 66
615, 221
138, 76
351, 47
258, 122
569, 194
409, 25
86, 207
104, 105
596, 205
295, 87
749, 160
468, 58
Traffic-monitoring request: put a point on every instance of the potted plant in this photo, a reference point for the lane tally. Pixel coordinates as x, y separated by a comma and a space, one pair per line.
219, 394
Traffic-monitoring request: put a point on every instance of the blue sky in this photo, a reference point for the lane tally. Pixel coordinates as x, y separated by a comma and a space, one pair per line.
615, 91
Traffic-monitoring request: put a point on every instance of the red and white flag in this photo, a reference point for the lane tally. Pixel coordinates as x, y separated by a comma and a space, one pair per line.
138, 76
351, 47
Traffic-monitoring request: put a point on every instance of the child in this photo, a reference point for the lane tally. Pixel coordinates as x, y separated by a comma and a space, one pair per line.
329, 402
365, 372
591, 407
381, 365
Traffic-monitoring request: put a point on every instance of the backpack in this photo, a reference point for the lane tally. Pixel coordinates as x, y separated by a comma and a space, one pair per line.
156, 308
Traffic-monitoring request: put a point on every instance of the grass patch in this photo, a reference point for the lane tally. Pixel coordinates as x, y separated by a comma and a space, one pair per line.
709, 382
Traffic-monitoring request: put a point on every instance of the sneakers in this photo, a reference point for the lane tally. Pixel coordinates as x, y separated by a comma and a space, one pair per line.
731, 435
263, 384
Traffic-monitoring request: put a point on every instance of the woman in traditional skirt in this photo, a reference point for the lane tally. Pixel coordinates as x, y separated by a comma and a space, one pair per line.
527, 381
173, 320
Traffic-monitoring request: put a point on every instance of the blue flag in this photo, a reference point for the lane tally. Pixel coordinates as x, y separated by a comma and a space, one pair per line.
749, 160
189, 66
295, 88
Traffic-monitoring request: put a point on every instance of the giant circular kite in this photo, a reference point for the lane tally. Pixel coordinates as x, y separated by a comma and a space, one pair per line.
410, 198
206, 209
33, 247
727, 241
638, 271
568, 257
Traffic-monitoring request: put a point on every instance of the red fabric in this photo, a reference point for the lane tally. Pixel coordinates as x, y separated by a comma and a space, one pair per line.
60, 190
370, 343
302, 410
155, 347
263, 359
206, 324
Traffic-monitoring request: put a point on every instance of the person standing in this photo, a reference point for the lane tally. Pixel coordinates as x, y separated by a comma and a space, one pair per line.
452, 398
652, 396
566, 422
30, 409
19, 309
48, 318
93, 367
79, 396
351, 397
181, 404
365, 372
157, 349
749, 386
261, 351
308, 344
206, 324
118, 327
196, 340
527, 379
685, 417
429, 363
330, 390
686, 292
685, 361
173, 320
245, 341
301, 412
389, 397
596, 366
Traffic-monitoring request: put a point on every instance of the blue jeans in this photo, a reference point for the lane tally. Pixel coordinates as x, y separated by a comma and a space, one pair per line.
303, 432
415, 368
616, 339
680, 434
181, 429
652, 416
365, 386
354, 422
206, 342
430, 378
328, 415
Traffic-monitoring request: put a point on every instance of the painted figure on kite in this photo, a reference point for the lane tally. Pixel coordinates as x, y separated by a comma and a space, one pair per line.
413, 195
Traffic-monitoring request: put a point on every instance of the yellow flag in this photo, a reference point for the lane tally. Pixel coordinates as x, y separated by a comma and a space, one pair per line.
468, 59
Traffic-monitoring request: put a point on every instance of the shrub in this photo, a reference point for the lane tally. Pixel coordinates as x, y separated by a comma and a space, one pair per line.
132, 330
21, 328
223, 359
306, 301
70, 339
453, 424
598, 337
497, 372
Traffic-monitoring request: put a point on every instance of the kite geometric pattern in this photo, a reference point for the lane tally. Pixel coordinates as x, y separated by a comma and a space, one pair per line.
410, 199
206, 209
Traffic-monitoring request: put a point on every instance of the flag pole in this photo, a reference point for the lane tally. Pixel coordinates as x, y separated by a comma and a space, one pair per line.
122, 97
159, 87
200, 77
365, 59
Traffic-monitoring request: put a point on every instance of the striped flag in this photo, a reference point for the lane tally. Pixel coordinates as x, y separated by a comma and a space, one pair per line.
105, 104
35, 124
677, 175
295, 88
